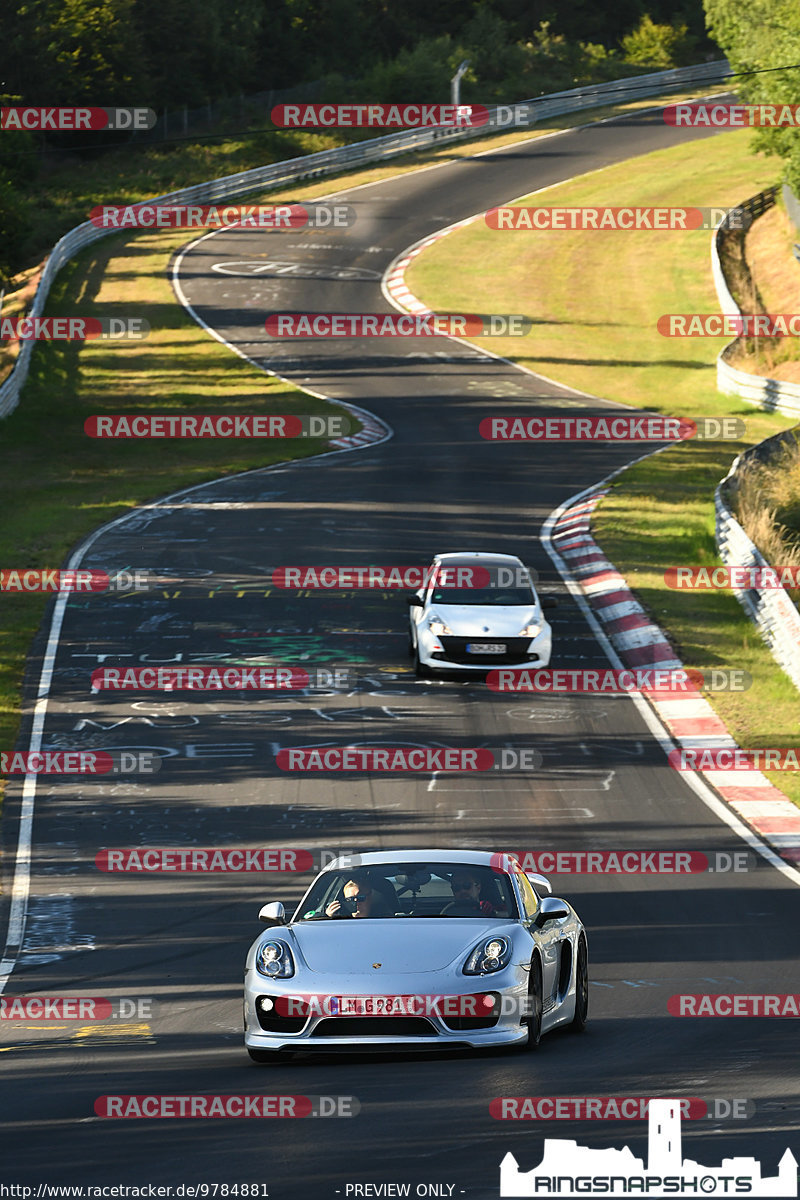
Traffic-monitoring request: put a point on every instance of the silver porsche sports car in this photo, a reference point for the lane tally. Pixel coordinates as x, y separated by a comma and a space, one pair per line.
425, 948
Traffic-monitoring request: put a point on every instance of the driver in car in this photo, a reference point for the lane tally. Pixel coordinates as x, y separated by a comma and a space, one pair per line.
466, 900
360, 900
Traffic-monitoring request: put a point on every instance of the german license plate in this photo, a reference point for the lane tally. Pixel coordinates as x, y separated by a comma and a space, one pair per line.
372, 1006
486, 647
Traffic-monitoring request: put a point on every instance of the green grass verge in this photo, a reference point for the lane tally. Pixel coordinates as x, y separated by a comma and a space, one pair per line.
595, 300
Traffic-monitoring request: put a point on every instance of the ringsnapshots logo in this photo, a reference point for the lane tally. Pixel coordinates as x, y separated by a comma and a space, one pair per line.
570, 1170
187, 425
213, 678
604, 217
628, 427
73, 119
426, 324
73, 329
157, 1107
79, 762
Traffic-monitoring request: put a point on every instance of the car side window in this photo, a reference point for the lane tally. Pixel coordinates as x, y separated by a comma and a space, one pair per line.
530, 900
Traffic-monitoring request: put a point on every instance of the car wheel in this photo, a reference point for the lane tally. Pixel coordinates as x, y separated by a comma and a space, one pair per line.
581, 988
267, 1056
534, 1018
420, 669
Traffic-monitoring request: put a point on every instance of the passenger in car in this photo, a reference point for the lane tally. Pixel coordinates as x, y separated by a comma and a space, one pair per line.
466, 900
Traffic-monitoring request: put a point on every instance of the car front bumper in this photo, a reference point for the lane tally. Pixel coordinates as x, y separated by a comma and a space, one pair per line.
450, 653
431, 1031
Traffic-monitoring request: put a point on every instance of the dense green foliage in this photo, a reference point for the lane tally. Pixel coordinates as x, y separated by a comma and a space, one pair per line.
759, 37
167, 54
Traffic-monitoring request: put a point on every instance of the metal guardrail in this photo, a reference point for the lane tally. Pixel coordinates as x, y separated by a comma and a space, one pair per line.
326, 162
773, 395
771, 609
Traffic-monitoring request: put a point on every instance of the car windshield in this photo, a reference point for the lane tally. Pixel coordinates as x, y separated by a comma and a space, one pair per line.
485, 597
427, 889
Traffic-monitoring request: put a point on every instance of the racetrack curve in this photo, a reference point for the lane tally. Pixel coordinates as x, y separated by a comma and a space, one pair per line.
605, 783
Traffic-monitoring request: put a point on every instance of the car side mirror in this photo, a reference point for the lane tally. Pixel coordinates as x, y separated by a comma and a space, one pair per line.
414, 602
551, 909
548, 601
273, 914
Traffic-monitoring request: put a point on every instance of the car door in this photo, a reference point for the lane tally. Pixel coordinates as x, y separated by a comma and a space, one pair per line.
549, 940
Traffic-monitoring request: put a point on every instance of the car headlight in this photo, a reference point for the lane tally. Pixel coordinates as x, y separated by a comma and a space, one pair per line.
274, 959
492, 954
532, 630
438, 627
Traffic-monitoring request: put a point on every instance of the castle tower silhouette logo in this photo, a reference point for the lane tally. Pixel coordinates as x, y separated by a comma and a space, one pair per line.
568, 1169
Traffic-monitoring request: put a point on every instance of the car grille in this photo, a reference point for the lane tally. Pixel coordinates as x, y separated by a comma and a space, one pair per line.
355, 1027
455, 650
460, 1024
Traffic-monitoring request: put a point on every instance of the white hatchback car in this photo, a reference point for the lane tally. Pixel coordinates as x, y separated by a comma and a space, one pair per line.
478, 610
